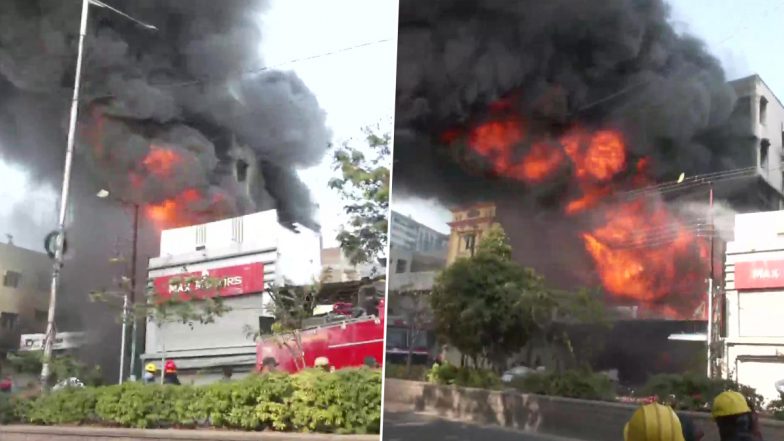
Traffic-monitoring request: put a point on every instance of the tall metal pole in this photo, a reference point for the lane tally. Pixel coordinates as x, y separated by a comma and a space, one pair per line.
133, 290
711, 281
124, 337
58, 258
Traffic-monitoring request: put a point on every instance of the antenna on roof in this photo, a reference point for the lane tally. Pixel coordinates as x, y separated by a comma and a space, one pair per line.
10, 238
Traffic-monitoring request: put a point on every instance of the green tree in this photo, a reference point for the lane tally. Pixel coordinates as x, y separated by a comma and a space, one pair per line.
291, 306
487, 306
364, 187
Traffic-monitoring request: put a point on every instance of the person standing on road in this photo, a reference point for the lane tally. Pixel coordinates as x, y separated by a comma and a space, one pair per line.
736, 420
653, 422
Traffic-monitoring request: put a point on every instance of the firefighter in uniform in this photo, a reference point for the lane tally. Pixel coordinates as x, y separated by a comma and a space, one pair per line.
735, 418
653, 422
150, 371
170, 373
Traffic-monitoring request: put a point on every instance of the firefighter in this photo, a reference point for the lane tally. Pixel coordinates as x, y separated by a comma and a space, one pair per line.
269, 365
322, 363
735, 419
653, 422
150, 371
170, 373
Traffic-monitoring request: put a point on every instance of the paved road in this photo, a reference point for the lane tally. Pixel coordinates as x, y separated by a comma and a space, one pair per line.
409, 426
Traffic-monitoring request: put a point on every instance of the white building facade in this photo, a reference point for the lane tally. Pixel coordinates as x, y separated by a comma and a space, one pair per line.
753, 352
248, 254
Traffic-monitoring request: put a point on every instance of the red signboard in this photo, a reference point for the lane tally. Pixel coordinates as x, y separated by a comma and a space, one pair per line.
759, 275
225, 282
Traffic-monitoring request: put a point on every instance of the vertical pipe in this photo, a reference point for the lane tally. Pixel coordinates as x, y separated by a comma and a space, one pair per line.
58, 259
124, 337
132, 369
711, 281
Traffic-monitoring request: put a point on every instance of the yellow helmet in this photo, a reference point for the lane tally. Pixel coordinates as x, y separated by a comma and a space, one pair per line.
653, 422
151, 368
730, 403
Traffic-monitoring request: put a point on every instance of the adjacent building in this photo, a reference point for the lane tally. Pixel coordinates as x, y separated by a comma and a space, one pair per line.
337, 267
407, 233
24, 294
247, 254
753, 344
757, 124
468, 226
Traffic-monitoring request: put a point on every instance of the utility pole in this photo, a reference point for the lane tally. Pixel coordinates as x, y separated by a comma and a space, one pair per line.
711, 285
60, 238
133, 289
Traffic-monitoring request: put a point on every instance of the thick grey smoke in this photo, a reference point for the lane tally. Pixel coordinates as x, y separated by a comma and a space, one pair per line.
550, 67
609, 64
196, 89
185, 88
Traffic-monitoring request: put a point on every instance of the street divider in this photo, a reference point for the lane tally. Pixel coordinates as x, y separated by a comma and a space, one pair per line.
579, 419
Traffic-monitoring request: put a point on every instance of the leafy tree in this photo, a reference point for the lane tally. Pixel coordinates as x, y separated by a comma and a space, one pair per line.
291, 306
486, 306
414, 306
364, 186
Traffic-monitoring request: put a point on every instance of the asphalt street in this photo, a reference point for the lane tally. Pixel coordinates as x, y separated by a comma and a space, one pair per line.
409, 426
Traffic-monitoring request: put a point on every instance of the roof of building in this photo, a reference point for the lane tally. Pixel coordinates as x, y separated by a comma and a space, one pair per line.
756, 77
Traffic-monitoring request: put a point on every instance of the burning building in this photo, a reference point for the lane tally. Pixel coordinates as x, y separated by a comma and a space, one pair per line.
185, 122
570, 116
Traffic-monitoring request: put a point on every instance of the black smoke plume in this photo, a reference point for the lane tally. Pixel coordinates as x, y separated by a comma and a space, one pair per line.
196, 87
614, 63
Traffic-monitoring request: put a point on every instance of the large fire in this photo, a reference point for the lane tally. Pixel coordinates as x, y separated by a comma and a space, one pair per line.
147, 179
640, 249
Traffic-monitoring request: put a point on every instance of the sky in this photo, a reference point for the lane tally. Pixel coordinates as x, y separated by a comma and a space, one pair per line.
356, 88
744, 36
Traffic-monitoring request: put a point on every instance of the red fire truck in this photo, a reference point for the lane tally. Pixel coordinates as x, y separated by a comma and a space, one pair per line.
348, 342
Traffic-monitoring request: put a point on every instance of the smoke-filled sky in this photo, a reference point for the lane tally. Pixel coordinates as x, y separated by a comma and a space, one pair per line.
353, 87
742, 35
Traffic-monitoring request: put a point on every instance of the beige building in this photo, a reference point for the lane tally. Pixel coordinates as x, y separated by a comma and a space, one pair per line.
24, 291
337, 268
468, 226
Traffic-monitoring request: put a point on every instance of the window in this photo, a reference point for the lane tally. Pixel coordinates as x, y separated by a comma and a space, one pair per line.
400, 266
469, 240
41, 316
473, 213
11, 279
764, 149
8, 320
763, 110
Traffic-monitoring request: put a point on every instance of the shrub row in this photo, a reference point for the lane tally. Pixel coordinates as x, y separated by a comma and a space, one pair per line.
346, 401
683, 392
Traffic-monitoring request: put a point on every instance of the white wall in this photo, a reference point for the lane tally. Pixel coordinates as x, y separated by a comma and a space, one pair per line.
755, 335
253, 238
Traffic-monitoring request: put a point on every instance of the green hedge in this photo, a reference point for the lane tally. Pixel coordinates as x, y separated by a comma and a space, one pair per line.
694, 392
463, 376
400, 371
580, 384
346, 401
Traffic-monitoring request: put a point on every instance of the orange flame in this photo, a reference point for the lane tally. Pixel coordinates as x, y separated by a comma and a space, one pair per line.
161, 161
641, 251
173, 213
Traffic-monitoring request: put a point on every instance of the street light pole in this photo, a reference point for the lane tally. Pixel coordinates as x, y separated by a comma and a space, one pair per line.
133, 290
60, 240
